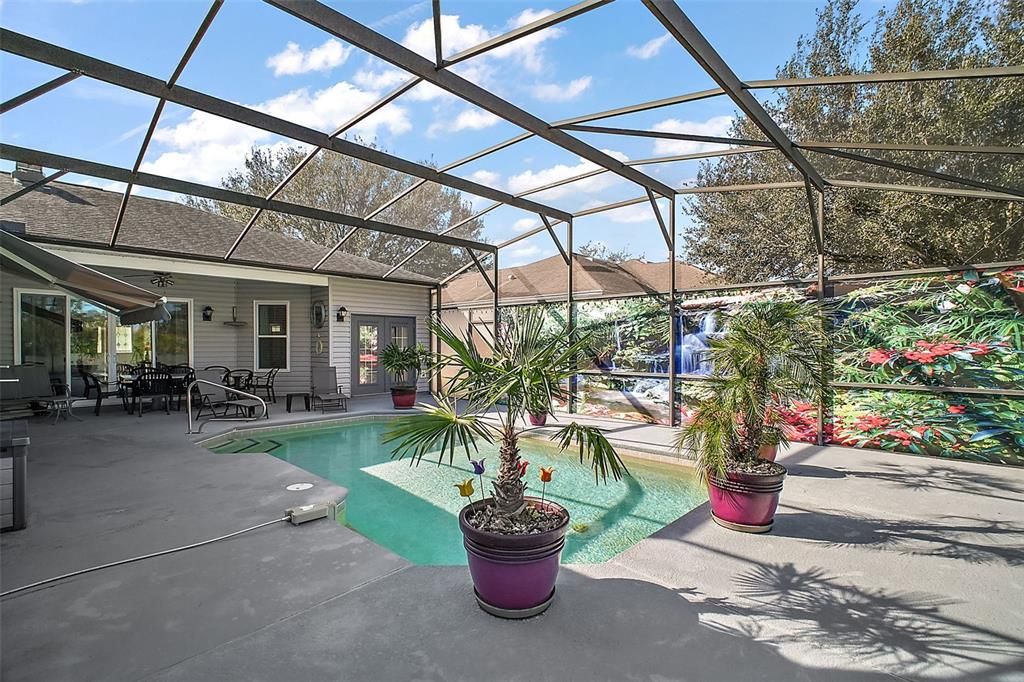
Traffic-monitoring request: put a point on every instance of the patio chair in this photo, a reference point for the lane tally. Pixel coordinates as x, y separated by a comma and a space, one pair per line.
326, 391
211, 398
103, 390
239, 378
219, 368
149, 386
182, 375
265, 383
30, 387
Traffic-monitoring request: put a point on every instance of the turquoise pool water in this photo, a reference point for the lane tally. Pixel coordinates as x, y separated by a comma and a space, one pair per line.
413, 510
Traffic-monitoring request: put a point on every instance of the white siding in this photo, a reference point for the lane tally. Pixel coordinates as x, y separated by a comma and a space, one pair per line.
297, 378
363, 297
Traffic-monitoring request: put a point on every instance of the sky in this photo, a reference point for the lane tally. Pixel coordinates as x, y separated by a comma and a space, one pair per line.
258, 56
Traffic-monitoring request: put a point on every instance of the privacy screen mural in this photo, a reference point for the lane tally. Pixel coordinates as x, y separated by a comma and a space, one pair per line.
963, 330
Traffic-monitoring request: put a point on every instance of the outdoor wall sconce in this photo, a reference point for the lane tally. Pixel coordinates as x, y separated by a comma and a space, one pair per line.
342, 312
207, 314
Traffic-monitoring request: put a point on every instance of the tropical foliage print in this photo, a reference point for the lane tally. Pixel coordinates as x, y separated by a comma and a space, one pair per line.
955, 330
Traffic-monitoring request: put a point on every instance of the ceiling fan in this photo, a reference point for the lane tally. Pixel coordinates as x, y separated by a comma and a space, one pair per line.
158, 279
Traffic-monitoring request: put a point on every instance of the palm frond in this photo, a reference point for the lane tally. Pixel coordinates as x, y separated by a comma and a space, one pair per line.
593, 446
439, 426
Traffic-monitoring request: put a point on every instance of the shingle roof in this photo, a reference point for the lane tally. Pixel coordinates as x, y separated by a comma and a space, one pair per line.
545, 280
81, 215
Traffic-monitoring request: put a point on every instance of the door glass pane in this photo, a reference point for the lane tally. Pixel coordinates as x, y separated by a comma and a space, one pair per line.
172, 335
368, 347
400, 336
135, 344
43, 333
88, 343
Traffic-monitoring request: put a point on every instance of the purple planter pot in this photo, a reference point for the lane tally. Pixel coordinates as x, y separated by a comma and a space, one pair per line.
514, 575
745, 502
538, 419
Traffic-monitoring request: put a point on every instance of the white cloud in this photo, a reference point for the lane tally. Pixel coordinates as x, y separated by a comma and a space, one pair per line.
292, 60
524, 224
649, 49
486, 177
637, 213
380, 79
205, 148
467, 119
521, 254
557, 92
527, 180
717, 126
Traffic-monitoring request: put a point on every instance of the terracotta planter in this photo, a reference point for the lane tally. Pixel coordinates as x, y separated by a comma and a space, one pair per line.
537, 419
514, 575
768, 452
745, 502
403, 398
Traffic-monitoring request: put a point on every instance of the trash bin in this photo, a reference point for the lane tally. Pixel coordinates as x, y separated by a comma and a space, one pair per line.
14, 443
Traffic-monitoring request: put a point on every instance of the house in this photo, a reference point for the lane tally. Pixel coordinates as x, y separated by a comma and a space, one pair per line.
545, 282
265, 307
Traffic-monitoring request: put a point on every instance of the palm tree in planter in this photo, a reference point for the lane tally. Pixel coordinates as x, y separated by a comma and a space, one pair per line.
772, 353
404, 364
513, 541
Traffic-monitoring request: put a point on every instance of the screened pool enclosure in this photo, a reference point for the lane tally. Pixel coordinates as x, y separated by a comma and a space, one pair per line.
926, 359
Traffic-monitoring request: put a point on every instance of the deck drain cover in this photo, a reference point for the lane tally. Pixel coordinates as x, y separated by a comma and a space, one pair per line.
299, 486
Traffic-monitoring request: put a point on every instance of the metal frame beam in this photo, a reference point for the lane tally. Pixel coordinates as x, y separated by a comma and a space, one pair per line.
914, 170
38, 91
668, 135
40, 51
492, 284
31, 188
554, 237
361, 116
683, 30
189, 51
116, 174
913, 189
661, 221
351, 31
938, 148
544, 22
451, 229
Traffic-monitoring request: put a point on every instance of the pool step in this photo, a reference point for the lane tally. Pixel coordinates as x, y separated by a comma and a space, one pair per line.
245, 445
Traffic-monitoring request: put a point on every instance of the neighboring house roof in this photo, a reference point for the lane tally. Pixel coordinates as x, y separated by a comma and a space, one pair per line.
84, 216
545, 280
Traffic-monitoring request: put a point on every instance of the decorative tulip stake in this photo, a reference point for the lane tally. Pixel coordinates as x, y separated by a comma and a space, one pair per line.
466, 488
545, 478
478, 469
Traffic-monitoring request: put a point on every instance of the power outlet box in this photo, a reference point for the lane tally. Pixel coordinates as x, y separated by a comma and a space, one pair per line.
308, 512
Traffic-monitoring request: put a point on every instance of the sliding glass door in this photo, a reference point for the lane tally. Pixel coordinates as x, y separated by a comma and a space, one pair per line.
43, 331
69, 336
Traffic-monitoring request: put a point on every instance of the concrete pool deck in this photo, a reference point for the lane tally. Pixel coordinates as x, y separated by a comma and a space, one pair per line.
879, 567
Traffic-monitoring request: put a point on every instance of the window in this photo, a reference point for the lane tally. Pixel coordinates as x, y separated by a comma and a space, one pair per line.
272, 343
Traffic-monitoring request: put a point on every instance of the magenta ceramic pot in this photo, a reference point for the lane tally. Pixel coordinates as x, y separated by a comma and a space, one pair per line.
745, 502
538, 419
514, 575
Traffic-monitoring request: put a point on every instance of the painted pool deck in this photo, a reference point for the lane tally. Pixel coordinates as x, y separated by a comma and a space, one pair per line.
880, 567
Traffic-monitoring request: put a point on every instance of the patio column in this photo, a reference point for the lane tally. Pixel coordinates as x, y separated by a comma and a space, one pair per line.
673, 339
824, 402
495, 303
571, 312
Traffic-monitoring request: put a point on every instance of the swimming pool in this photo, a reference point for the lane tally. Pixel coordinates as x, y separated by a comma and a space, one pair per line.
413, 510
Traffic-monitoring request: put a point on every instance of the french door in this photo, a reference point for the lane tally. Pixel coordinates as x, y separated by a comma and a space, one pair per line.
370, 335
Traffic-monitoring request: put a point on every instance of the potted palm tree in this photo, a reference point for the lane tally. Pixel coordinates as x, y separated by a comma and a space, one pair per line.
513, 541
404, 364
772, 353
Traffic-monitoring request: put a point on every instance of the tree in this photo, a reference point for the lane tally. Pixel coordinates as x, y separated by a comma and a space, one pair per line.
601, 251
757, 235
347, 185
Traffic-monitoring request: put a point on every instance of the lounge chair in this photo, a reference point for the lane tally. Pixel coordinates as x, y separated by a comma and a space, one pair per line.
211, 398
25, 387
326, 391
